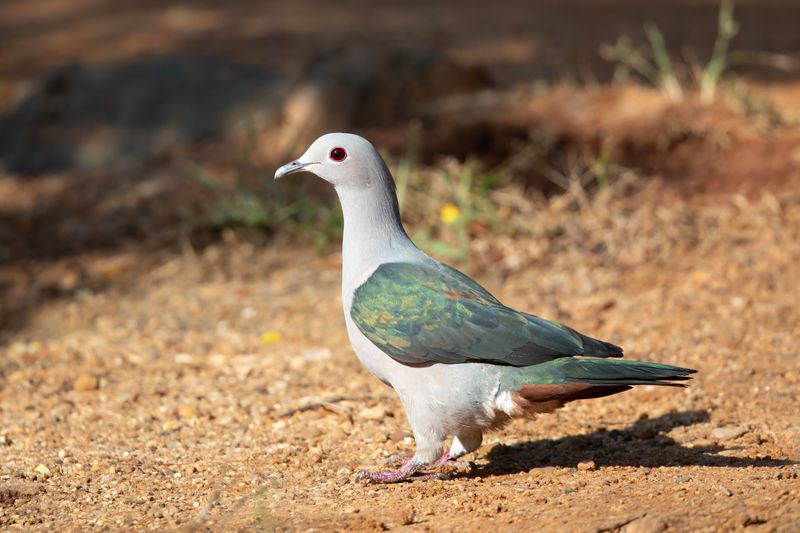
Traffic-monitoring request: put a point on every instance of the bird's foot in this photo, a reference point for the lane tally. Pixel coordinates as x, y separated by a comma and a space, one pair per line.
409, 471
396, 476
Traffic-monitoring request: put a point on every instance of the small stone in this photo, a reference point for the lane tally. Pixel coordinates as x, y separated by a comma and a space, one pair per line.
374, 413
43, 470
408, 516
644, 432
187, 411
170, 425
85, 382
748, 520
724, 490
342, 481
728, 433
647, 524
684, 479
568, 490
587, 466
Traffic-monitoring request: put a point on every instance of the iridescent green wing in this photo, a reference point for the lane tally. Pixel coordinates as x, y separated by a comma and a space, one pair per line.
433, 313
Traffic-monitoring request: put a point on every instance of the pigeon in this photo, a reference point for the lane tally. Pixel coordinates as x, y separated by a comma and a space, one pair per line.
460, 361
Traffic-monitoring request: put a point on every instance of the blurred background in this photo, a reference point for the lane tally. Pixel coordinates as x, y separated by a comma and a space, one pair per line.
628, 166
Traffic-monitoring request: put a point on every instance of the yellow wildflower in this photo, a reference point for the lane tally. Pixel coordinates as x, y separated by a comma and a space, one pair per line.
270, 337
449, 213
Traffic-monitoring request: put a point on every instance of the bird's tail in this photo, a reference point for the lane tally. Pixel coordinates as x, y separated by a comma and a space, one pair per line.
566, 379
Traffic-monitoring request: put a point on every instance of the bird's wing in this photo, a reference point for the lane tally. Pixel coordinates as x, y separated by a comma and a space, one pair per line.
419, 313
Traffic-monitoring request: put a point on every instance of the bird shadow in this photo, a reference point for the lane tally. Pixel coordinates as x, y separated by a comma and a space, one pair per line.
643, 443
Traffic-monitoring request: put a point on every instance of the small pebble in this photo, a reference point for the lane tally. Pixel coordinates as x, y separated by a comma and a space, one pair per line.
187, 411
587, 466
85, 382
724, 490
728, 433
374, 413
170, 425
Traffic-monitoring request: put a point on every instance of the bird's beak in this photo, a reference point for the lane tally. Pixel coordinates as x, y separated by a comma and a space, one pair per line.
290, 168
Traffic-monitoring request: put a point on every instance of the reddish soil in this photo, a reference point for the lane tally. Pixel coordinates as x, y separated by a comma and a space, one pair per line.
155, 379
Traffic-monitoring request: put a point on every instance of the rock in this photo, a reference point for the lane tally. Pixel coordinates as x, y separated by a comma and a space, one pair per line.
316, 354
646, 524
43, 470
374, 413
170, 425
643, 431
724, 490
587, 466
187, 411
85, 382
568, 490
729, 432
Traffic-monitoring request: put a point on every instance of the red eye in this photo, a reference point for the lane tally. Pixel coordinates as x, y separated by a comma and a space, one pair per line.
338, 154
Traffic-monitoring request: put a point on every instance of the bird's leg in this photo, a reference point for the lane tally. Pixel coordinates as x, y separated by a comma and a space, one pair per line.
443, 460
407, 471
409, 468
464, 442
429, 451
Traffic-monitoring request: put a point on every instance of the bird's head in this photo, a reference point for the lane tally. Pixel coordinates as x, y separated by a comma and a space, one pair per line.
342, 159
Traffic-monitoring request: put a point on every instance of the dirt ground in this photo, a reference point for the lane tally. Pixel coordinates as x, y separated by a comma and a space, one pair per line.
151, 381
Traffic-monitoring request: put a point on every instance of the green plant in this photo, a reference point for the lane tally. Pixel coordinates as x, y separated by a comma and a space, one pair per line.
727, 28
658, 69
444, 206
259, 203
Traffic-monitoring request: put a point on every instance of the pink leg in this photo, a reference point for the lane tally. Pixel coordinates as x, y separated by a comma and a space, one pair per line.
405, 472
408, 470
446, 460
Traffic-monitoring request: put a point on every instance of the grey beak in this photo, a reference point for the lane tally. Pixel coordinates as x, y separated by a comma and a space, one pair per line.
290, 168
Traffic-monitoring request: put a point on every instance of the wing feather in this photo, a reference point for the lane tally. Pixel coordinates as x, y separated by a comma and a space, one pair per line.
419, 313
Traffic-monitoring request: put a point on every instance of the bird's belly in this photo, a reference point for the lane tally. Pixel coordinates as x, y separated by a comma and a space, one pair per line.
455, 395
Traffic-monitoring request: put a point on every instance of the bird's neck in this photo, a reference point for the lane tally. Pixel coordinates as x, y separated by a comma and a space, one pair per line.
373, 231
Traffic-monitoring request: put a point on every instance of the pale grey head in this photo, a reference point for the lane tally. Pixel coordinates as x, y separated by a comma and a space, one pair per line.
343, 159
373, 231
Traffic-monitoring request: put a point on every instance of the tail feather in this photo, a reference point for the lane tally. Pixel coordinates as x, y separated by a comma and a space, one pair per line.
605, 372
568, 379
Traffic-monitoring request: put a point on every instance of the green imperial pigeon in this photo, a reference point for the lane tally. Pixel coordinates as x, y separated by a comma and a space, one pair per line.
461, 362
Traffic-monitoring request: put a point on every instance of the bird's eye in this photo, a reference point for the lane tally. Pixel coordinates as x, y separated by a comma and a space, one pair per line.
338, 154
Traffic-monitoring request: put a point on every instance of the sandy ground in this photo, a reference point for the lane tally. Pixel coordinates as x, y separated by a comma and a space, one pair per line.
217, 389
155, 381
